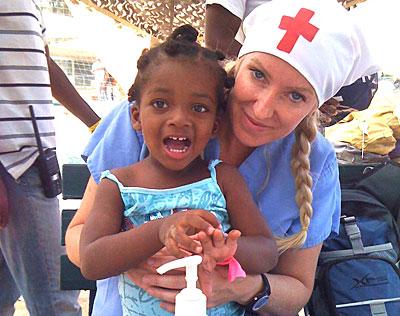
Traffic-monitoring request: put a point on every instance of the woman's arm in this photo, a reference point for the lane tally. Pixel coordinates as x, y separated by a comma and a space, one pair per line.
220, 29
257, 250
74, 230
295, 271
291, 284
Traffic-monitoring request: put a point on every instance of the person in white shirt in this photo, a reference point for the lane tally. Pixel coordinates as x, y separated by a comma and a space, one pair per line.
223, 27
30, 245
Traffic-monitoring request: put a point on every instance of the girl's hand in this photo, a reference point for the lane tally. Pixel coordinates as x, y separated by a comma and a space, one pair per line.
217, 247
175, 230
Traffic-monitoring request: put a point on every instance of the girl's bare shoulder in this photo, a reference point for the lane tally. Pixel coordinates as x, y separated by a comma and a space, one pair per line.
130, 175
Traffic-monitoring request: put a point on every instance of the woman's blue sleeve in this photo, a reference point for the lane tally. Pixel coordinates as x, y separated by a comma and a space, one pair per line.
326, 204
114, 143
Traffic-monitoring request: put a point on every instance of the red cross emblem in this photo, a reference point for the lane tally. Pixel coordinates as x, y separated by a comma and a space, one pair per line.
296, 27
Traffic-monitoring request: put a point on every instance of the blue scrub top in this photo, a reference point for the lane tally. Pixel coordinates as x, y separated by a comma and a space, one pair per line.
267, 173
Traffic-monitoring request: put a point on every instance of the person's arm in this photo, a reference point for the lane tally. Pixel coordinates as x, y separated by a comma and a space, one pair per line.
66, 94
221, 27
295, 271
257, 250
101, 237
291, 284
4, 210
74, 230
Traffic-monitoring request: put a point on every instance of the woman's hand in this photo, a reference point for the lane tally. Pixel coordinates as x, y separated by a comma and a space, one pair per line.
176, 229
164, 287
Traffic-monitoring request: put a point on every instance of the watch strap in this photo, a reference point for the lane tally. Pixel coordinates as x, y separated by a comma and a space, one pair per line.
263, 295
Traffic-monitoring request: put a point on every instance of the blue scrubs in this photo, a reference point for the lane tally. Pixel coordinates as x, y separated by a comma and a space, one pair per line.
267, 172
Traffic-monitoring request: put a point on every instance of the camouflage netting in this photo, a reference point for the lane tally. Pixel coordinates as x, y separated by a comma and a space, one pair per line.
351, 3
158, 17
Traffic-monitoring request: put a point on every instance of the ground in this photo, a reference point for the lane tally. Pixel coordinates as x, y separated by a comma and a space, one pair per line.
20, 309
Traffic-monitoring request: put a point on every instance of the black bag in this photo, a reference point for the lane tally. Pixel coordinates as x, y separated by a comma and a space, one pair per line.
380, 180
357, 273
383, 182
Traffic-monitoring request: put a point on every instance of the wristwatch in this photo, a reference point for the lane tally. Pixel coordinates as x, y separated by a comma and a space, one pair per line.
261, 298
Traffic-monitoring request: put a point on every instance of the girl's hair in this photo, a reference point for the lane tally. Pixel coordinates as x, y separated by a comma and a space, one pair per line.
181, 44
305, 133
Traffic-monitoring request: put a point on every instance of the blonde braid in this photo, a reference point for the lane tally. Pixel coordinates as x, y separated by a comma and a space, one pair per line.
305, 134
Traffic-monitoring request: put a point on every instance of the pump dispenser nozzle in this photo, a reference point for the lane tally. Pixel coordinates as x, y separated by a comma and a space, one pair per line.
191, 300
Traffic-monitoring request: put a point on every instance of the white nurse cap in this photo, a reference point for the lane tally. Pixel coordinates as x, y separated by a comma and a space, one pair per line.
317, 37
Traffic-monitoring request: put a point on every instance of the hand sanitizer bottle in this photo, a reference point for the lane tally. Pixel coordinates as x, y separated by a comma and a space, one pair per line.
191, 300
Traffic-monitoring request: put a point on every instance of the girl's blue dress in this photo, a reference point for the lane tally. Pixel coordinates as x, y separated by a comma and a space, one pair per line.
142, 205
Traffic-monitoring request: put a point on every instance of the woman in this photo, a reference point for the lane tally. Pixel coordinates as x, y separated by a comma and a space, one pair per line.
270, 133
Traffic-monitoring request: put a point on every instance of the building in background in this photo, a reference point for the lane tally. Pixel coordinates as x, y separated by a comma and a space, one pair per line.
80, 38
63, 40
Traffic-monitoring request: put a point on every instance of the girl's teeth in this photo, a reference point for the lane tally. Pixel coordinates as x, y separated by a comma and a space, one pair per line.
179, 138
178, 150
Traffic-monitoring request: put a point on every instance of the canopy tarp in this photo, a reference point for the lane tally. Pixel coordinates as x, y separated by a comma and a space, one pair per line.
157, 18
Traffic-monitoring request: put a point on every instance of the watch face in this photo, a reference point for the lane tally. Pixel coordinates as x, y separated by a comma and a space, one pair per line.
263, 300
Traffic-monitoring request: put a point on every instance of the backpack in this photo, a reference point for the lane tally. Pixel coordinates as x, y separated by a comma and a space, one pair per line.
357, 272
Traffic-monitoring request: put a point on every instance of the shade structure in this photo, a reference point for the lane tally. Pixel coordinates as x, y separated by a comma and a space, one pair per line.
157, 18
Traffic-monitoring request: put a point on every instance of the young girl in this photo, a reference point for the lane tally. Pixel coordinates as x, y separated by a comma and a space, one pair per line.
177, 117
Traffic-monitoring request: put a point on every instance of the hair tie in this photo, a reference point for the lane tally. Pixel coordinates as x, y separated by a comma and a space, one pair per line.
235, 270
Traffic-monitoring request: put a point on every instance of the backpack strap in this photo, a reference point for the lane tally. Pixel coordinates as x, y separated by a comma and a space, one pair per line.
378, 309
336, 254
354, 234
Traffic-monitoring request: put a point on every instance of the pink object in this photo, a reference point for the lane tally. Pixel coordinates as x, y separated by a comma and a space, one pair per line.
235, 270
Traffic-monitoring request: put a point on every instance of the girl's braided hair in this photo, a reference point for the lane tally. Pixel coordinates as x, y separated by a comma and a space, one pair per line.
181, 44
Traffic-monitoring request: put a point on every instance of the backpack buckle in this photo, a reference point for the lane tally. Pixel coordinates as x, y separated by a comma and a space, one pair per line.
353, 232
347, 219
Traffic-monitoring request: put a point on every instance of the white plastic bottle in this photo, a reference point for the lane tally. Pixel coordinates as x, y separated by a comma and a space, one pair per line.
191, 300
